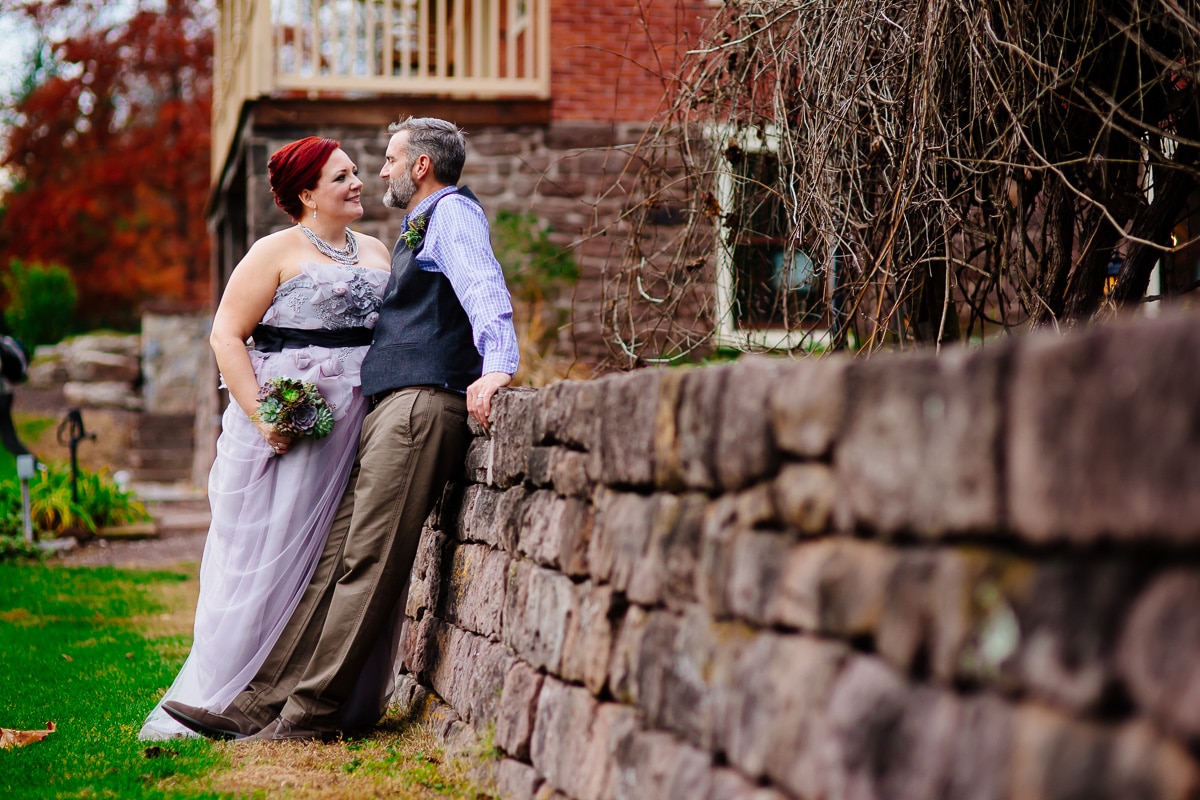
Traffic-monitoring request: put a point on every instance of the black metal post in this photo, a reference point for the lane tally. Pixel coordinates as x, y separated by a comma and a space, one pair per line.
73, 424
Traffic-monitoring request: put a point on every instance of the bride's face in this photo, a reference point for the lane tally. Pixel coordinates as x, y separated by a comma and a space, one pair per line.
339, 190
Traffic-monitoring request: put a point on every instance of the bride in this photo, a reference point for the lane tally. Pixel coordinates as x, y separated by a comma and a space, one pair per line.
308, 296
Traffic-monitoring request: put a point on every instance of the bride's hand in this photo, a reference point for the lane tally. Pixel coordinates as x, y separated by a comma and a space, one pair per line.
278, 442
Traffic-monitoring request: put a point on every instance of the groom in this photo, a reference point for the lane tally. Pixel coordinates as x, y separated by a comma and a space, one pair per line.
443, 345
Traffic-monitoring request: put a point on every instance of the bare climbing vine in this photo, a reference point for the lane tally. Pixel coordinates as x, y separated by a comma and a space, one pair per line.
927, 170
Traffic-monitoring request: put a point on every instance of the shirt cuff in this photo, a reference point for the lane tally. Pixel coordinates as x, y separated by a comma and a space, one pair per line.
500, 362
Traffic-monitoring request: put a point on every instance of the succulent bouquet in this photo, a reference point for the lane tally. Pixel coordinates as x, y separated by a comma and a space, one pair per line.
295, 407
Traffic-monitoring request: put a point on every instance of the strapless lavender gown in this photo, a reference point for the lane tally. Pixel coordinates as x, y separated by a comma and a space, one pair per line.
271, 514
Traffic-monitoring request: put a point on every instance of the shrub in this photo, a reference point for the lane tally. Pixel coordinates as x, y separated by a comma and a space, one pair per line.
53, 511
41, 302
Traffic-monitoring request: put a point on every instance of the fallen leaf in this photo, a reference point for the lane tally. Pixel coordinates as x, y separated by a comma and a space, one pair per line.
14, 738
67, 657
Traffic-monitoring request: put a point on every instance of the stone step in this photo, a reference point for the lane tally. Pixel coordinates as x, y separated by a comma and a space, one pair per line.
173, 458
161, 475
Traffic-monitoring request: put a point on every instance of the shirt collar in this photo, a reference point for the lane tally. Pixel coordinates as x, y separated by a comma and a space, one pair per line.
427, 203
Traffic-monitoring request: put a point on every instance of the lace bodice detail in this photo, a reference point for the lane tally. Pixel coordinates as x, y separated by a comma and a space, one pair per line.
328, 296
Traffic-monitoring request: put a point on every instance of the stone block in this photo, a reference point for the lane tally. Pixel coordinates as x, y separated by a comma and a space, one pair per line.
697, 420
508, 519
612, 725
756, 561
589, 637
1159, 651
724, 519
102, 394
836, 586
628, 413
777, 723
1102, 439
426, 578
806, 406
561, 733
1069, 612
728, 784
97, 366
1143, 757
575, 740
468, 673
744, 449
512, 419
689, 688
475, 513
556, 532
623, 661
518, 709
516, 780
621, 534
981, 751
568, 414
655, 764
418, 645
666, 572
642, 661
667, 466
492, 517
918, 451
888, 740
906, 628
1054, 756
565, 471
474, 587
804, 497
582, 136
478, 461
540, 604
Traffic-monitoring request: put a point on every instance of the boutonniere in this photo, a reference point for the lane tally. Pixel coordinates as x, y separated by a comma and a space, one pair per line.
415, 233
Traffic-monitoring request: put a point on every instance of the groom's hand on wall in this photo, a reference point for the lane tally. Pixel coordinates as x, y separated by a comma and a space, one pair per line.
479, 395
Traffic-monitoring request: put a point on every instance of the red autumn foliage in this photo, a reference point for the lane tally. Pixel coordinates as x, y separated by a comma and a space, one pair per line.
110, 158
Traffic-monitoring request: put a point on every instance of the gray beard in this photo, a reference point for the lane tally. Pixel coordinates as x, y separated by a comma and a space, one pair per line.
400, 192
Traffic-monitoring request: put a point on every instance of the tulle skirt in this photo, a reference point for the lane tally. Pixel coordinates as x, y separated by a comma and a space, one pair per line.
270, 518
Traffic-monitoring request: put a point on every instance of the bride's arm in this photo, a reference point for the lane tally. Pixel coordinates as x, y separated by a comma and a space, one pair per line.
247, 296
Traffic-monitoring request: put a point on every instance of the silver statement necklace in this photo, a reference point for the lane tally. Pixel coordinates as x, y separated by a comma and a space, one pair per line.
347, 256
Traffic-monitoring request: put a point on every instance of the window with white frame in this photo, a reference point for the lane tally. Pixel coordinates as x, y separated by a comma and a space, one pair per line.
770, 292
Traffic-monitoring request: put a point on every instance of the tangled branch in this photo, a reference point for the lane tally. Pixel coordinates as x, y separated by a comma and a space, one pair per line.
924, 170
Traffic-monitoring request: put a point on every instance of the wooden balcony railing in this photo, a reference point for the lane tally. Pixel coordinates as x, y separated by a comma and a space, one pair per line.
457, 48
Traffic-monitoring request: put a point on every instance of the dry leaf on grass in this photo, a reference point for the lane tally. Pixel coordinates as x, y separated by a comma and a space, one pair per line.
12, 738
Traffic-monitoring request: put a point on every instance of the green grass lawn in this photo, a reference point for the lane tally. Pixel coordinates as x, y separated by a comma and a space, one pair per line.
92, 649
72, 654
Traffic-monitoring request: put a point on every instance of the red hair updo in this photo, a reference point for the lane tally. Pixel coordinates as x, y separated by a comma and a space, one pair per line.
296, 167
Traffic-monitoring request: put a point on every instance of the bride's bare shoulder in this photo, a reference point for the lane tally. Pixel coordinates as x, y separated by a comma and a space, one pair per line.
373, 252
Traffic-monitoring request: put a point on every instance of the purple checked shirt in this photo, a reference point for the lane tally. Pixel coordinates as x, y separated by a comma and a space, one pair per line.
459, 246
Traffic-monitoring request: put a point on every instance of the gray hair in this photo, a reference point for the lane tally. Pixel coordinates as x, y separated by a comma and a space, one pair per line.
444, 143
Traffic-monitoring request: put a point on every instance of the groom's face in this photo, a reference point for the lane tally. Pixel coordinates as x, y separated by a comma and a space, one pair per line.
398, 173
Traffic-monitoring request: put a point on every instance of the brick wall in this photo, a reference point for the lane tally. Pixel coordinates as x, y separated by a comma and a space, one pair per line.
610, 60
965, 576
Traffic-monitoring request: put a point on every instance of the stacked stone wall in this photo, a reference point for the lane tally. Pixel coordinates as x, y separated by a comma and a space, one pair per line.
966, 575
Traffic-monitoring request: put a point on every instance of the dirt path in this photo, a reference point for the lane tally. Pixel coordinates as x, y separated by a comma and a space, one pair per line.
183, 519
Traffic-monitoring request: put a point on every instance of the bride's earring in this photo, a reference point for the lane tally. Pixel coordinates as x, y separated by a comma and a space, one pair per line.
314, 213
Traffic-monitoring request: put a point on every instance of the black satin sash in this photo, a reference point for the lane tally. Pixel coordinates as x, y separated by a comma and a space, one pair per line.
270, 339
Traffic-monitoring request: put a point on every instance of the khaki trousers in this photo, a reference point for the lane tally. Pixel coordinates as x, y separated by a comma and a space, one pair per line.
411, 441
